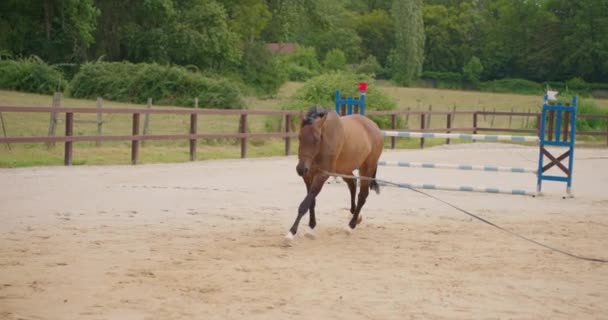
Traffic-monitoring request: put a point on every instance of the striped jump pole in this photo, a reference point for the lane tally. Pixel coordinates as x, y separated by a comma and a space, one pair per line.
461, 188
490, 137
455, 166
487, 137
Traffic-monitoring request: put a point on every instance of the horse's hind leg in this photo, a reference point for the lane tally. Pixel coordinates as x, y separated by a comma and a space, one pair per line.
364, 171
352, 187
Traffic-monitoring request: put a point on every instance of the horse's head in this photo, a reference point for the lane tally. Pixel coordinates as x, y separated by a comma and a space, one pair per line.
311, 138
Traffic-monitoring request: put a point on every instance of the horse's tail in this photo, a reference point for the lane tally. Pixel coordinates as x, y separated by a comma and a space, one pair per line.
374, 184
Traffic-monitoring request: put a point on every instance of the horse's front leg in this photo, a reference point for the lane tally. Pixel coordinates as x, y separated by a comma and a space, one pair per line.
308, 203
312, 222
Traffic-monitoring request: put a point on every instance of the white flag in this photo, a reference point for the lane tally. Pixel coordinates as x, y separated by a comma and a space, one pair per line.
551, 95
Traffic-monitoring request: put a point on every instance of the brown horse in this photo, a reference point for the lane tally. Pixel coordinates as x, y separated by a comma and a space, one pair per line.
333, 144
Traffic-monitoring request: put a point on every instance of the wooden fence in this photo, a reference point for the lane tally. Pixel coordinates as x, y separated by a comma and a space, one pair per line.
287, 133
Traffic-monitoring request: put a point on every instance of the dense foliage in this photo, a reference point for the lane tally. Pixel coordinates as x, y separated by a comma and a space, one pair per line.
30, 75
165, 85
478, 40
587, 106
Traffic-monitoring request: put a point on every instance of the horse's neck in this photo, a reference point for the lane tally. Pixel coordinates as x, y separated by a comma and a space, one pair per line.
333, 139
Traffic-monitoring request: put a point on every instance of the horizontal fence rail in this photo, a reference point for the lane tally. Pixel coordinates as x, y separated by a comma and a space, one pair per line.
192, 133
465, 167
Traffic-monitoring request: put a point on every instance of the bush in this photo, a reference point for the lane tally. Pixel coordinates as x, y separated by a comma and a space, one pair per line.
588, 106
299, 73
304, 57
127, 82
261, 70
578, 85
472, 71
30, 75
522, 86
302, 64
335, 60
370, 66
444, 80
321, 90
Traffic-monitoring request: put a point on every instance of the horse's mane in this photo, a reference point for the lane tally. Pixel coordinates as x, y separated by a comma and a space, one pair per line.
313, 113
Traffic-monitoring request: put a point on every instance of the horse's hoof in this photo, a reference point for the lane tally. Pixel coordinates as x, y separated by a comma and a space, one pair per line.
348, 230
311, 234
288, 240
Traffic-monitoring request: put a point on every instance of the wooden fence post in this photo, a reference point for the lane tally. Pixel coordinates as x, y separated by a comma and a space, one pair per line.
135, 142
193, 131
69, 131
99, 121
511, 118
428, 120
147, 120
243, 130
422, 115
475, 116
449, 126
493, 117
287, 131
53, 117
4, 130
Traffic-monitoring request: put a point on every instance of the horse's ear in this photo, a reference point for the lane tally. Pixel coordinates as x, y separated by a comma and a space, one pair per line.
319, 123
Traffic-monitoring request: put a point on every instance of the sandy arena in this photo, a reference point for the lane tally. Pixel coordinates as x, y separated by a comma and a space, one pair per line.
204, 240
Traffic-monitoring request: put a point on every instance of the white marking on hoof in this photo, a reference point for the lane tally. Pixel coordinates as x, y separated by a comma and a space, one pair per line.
310, 233
348, 230
288, 240
359, 219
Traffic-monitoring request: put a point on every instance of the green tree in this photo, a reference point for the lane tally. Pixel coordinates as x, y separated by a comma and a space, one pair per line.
521, 40
452, 35
408, 56
294, 20
370, 66
335, 60
583, 29
261, 69
472, 70
343, 39
201, 36
248, 18
168, 31
377, 33
55, 30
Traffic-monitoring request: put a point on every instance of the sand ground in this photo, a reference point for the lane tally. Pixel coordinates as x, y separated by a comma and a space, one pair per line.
203, 240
